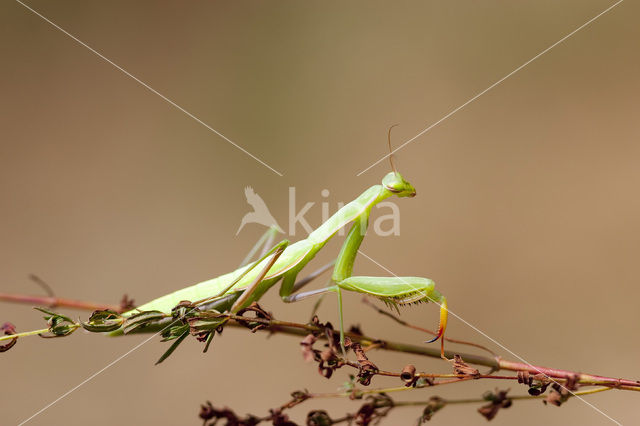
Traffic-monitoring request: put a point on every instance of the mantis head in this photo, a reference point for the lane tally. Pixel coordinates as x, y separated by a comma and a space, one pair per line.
395, 183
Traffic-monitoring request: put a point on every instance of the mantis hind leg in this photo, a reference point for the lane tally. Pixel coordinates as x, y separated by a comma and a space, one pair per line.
263, 244
274, 254
250, 290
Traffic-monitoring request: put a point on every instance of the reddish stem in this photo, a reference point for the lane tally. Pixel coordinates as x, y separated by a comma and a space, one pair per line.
56, 301
564, 374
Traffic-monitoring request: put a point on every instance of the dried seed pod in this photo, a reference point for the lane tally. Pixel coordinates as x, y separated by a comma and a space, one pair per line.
497, 400
462, 368
8, 329
408, 375
367, 369
318, 418
435, 403
525, 378
306, 347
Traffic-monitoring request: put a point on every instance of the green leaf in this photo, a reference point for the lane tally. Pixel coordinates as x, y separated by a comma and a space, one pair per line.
208, 342
59, 325
171, 333
53, 314
173, 347
200, 324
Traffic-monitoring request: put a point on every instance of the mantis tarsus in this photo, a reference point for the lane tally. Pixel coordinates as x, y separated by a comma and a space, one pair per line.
238, 289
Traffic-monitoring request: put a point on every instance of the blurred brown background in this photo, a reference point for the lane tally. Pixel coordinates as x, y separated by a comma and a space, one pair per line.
526, 215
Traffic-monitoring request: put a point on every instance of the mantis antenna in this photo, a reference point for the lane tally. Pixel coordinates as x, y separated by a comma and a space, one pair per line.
393, 166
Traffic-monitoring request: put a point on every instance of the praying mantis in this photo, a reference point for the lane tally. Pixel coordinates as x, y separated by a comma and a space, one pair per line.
236, 290
231, 293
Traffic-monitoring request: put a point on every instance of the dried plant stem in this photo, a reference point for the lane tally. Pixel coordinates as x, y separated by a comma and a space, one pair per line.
481, 400
297, 329
53, 302
286, 327
359, 393
565, 374
362, 392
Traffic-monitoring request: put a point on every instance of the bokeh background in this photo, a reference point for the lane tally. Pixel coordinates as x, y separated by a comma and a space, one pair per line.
526, 215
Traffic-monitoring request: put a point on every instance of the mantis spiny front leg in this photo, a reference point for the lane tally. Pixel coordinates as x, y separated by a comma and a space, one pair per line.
393, 290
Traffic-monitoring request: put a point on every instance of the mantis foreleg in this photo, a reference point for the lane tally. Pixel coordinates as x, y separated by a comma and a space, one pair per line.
401, 291
392, 290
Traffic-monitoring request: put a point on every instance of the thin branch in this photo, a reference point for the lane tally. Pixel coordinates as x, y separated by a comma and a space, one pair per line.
56, 302
286, 327
23, 334
482, 400
361, 392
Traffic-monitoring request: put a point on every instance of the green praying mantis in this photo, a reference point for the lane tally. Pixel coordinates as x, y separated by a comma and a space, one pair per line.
233, 292
236, 290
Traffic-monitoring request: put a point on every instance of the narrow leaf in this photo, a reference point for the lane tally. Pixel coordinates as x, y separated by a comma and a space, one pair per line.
173, 347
